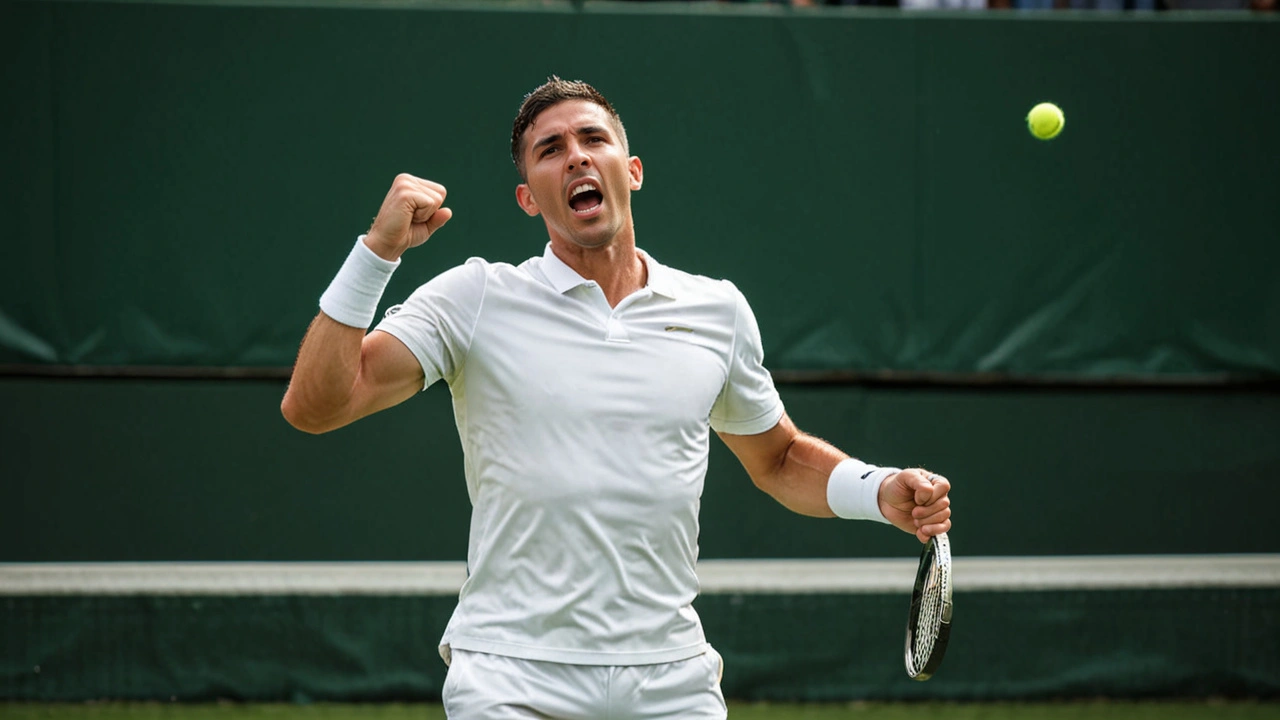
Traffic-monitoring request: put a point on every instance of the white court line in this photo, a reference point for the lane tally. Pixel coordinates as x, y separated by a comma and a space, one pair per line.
1095, 572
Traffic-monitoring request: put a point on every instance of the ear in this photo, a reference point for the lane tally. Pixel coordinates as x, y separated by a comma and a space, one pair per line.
636, 170
524, 198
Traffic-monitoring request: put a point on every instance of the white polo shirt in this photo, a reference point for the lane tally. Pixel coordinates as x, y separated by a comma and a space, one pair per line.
585, 434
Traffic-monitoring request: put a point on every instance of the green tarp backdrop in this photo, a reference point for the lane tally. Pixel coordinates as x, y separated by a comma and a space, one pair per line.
181, 180
134, 470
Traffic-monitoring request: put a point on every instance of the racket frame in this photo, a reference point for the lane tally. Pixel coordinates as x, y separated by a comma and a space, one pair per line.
937, 553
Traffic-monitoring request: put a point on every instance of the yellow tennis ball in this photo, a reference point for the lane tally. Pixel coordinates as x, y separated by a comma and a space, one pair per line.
1046, 120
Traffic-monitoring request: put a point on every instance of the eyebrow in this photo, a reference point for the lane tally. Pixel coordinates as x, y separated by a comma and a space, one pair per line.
584, 130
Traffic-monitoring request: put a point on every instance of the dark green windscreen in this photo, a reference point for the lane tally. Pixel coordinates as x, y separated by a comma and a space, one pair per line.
132, 470
182, 180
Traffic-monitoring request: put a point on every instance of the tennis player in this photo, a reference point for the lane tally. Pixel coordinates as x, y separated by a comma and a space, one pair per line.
586, 382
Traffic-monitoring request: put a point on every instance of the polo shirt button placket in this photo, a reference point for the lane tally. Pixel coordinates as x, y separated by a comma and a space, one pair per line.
616, 332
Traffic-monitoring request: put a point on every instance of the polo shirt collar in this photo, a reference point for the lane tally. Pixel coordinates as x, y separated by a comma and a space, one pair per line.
564, 278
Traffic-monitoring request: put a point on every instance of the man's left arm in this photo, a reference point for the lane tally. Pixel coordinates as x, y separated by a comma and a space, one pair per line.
796, 468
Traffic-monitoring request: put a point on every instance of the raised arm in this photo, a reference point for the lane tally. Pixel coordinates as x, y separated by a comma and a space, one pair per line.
796, 470
343, 374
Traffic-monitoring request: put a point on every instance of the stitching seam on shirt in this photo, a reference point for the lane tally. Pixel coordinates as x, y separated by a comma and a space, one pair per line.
484, 294
733, 346
757, 418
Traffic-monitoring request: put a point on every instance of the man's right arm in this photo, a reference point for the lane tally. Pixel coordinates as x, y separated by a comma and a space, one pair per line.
343, 373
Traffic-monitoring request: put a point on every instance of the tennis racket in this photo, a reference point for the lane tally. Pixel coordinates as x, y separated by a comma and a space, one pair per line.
929, 624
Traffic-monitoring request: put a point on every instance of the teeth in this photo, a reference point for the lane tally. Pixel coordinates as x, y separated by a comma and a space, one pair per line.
583, 188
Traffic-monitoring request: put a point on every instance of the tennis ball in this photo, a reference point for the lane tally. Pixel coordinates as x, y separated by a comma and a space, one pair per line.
1046, 120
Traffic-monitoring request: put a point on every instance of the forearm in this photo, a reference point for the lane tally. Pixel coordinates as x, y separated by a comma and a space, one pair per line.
324, 377
799, 482
796, 470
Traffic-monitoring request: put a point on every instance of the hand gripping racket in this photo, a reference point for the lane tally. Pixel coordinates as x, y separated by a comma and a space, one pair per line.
929, 624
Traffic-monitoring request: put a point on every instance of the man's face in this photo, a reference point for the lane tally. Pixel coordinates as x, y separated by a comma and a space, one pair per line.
579, 175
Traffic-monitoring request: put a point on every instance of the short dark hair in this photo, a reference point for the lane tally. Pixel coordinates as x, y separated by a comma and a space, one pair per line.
553, 92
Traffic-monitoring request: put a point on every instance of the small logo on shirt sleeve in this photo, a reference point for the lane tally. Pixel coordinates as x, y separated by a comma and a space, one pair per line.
392, 310
678, 328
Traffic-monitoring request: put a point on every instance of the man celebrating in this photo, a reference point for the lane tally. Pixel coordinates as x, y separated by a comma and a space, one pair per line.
585, 382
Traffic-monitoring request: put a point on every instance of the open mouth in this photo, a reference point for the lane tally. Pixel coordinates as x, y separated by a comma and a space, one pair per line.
585, 198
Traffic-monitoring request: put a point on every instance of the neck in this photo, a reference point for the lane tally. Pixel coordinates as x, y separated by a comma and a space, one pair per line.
616, 266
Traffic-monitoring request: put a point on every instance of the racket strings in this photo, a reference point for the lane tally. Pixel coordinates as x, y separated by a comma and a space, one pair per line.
930, 618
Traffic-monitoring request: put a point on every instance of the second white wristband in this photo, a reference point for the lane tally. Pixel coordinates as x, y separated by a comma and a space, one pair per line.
853, 490
352, 298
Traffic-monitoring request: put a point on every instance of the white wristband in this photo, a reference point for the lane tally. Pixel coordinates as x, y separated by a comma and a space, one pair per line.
352, 298
853, 490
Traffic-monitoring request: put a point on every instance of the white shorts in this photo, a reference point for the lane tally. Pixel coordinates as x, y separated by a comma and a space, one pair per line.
481, 686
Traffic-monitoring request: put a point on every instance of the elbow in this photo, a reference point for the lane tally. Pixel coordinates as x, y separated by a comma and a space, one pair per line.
769, 483
297, 416
771, 477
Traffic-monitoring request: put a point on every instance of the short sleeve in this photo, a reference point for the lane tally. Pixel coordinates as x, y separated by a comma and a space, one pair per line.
437, 321
749, 403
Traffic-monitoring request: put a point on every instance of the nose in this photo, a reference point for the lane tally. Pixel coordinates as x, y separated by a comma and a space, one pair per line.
578, 157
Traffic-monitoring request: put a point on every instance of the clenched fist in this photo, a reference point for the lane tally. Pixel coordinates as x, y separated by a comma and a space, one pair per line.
412, 211
917, 501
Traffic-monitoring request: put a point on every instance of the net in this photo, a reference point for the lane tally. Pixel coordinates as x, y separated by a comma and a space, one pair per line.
808, 630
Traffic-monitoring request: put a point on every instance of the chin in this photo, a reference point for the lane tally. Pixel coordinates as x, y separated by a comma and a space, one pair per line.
591, 241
